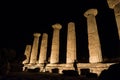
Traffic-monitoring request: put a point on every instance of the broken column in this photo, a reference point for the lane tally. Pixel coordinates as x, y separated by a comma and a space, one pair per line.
54, 58
27, 54
71, 43
43, 48
34, 52
94, 46
115, 4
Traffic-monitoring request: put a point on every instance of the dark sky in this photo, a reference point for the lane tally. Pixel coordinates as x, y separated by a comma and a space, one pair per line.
19, 20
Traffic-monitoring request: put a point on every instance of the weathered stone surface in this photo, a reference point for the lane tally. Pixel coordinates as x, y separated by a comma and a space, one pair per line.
34, 52
113, 3
43, 48
90, 12
57, 26
117, 10
71, 43
117, 17
54, 58
27, 54
92, 67
94, 46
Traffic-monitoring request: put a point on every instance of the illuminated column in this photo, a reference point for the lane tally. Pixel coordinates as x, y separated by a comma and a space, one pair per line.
71, 43
34, 52
54, 58
43, 48
27, 54
95, 54
115, 4
117, 16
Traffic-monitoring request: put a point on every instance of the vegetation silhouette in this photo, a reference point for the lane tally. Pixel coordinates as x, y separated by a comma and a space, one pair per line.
112, 73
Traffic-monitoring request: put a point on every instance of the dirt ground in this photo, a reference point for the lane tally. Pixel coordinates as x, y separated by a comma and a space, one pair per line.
41, 76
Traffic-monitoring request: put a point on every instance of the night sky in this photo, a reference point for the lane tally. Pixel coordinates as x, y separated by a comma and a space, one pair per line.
19, 20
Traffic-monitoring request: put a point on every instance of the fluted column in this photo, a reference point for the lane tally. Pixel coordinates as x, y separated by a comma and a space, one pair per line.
27, 54
115, 4
34, 52
54, 58
43, 48
71, 43
94, 46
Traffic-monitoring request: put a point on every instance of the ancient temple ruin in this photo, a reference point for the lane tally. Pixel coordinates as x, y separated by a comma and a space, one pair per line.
94, 46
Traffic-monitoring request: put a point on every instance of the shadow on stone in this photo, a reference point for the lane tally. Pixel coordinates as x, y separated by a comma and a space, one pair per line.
33, 70
84, 71
56, 70
70, 73
92, 75
87, 73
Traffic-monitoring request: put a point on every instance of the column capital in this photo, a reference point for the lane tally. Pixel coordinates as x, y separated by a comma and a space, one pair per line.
45, 34
36, 34
91, 12
113, 3
71, 23
57, 26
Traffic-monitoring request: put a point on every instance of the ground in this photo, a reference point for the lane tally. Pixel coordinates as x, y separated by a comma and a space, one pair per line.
41, 76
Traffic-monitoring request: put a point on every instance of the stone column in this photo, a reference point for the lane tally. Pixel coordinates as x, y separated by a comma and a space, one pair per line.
43, 48
27, 54
71, 43
54, 58
117, 17
115, 4
34, 52
94, 46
